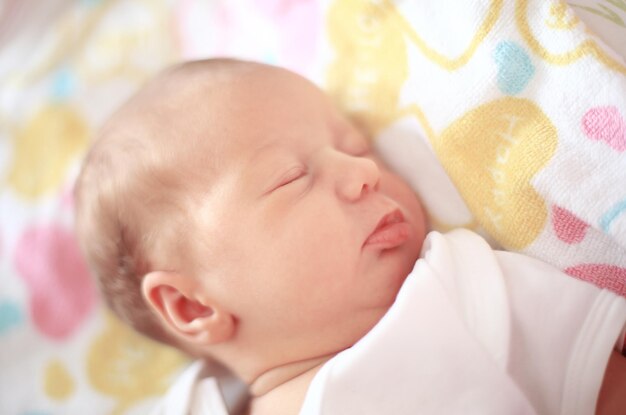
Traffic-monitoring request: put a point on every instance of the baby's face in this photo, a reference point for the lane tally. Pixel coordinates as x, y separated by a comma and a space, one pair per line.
298, 194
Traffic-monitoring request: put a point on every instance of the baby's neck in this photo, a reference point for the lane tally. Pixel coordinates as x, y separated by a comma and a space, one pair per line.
281, 390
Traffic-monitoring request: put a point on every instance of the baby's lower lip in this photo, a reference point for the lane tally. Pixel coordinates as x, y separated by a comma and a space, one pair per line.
389, 236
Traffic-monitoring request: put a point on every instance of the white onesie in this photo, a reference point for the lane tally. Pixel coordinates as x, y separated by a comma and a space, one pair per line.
472, 331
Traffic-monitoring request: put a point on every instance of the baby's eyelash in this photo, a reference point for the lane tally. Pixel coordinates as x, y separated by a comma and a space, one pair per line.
292, 175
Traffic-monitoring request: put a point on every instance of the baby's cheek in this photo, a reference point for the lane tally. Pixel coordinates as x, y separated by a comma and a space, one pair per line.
409, 200
400, 191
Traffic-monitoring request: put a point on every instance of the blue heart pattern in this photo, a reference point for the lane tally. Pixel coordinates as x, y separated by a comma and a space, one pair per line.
10, 315
515, 69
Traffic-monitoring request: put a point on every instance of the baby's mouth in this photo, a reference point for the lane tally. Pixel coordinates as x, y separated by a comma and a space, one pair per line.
392, 231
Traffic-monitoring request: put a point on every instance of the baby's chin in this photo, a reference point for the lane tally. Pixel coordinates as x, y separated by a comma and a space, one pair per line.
408, 257
395, 268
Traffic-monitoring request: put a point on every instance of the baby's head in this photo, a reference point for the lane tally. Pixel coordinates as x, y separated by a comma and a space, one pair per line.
225, 210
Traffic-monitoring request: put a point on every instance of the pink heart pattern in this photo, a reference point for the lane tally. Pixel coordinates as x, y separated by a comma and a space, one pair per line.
568, 227
606, 124
606, 276
61, 291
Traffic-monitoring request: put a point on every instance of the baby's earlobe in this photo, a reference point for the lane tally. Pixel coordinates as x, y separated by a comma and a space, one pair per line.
222, 327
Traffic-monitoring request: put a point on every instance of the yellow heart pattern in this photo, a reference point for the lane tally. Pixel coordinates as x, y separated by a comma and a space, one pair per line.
486, 153
44, 149
129, 367
557, 18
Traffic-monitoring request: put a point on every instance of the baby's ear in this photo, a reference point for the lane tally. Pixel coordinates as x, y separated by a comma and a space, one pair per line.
179, 304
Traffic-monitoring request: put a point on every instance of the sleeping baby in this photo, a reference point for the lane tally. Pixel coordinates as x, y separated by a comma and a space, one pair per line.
230, 211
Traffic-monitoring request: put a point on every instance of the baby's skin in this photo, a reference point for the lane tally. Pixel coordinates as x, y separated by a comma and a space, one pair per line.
304, 235
292, 272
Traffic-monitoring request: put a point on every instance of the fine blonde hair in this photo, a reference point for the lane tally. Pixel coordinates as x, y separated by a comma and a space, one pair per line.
138, 186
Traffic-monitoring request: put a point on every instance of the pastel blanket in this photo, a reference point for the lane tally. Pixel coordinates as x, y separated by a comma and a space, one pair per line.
408, 70
520, 102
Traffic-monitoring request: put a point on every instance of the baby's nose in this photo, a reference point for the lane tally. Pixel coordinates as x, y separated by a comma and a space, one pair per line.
360, 176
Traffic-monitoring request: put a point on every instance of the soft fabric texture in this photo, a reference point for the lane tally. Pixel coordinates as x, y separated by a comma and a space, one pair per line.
523, 108
66, 65
196, 393
477, 331
472, 331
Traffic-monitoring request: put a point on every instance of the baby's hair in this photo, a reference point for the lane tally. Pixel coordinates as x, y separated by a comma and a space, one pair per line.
138, 184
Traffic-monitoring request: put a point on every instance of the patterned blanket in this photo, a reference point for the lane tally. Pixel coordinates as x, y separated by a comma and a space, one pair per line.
506, 116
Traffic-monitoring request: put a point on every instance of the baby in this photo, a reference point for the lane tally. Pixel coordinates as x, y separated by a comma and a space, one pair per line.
228, 210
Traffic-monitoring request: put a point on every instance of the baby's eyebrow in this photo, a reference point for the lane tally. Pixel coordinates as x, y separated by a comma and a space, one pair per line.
258, 166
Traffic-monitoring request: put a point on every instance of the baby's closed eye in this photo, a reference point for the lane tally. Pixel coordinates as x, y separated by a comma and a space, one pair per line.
291, 176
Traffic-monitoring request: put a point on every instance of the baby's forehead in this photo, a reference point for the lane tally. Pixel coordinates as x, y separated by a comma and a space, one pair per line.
213, 118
